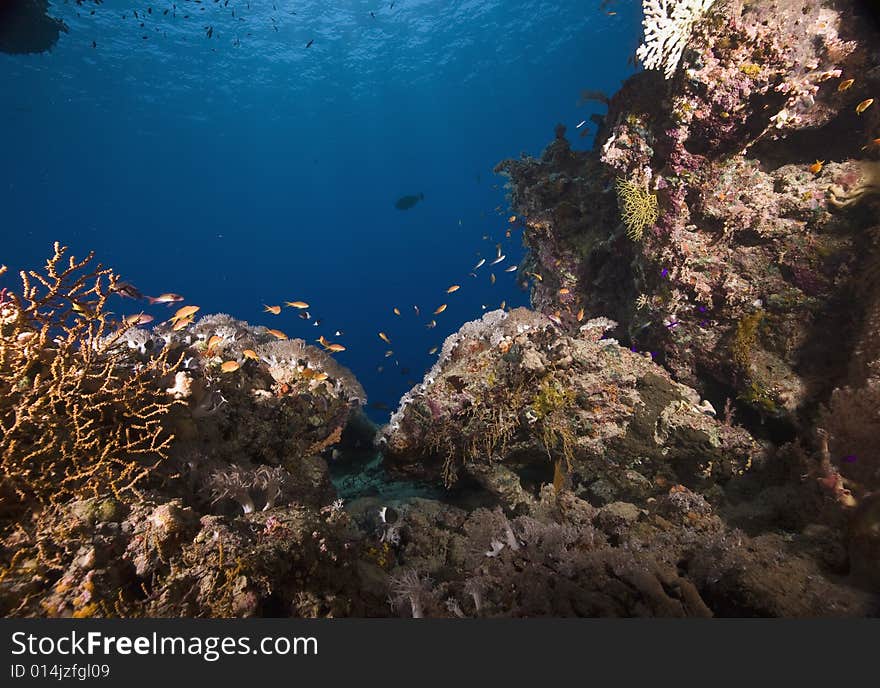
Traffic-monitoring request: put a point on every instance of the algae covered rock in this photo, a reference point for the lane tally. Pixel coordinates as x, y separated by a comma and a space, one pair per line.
514, 401
240, 519
764, 175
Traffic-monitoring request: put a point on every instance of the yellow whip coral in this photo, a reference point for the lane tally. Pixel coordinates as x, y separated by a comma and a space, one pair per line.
638, 207
78, 417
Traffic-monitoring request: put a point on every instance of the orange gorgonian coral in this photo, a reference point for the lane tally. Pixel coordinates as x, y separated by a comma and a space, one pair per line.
78, 416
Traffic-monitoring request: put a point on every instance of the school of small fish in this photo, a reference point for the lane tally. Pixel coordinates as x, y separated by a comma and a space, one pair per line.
184, 316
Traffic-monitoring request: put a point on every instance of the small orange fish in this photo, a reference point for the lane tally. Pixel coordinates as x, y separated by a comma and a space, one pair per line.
511, 219
396, 310
432, 351
492, 278
843, 85
864, 105
165, 298
335, 348
185, 312
536, 276
180, 324
323, 341
580, 315
229, 367
453, 288
278, 334
564, 291
320, 377
274, 310
250, 354
816, 167
440, 309
503, 305
139, 319
296, 304
384, 338
213, 341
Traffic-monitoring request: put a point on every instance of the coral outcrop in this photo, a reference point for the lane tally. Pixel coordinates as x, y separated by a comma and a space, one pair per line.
757, 252
145, 475
513, 395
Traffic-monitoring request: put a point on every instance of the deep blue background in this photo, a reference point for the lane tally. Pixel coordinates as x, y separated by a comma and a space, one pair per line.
245, 169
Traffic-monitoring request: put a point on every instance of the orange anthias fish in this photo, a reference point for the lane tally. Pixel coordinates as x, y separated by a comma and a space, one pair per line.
274, 310
564, 291
229, 367
580, 315
296, 304
845, 85
440, 309
816, 167
185, 312
453, 288
432, 351
384, 338
250, 354
335, 348
864, 105
322, 340
511, 219
320, 376
213, 341
278, 334
396, 310
180, 324
165, 298
139, 319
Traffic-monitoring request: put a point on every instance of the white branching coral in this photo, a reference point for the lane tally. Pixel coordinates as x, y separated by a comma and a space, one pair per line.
668, 25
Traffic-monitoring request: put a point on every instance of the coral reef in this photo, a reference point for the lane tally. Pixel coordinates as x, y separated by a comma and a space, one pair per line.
757, 253
141, 477
513, 395
685, 424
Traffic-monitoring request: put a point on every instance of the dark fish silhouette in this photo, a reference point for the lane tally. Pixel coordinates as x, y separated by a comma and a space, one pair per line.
407, 202
309, 44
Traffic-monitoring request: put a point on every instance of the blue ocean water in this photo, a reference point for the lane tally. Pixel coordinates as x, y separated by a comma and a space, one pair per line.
243, 168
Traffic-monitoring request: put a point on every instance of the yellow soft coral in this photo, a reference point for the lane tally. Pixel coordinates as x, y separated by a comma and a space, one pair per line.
638, 207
